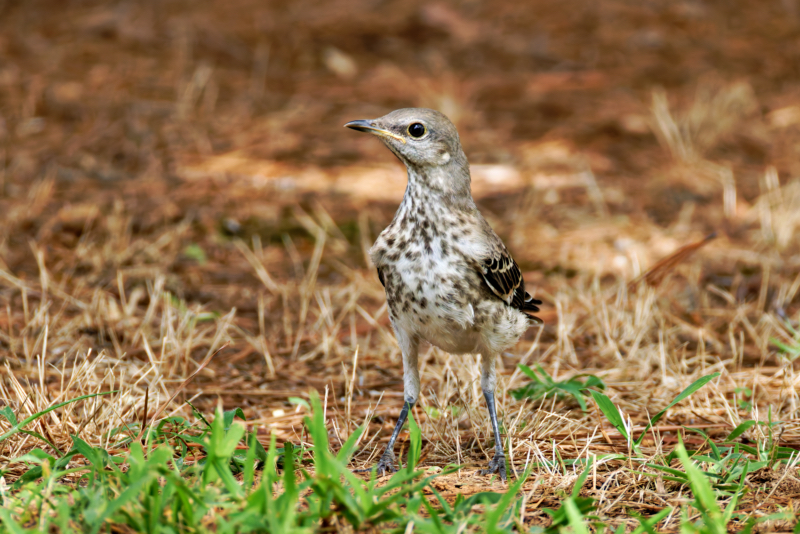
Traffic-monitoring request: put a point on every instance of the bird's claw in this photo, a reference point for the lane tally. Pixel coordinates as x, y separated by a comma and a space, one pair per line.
497, 465
384, 466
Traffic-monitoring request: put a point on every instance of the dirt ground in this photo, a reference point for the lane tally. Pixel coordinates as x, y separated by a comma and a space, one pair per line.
174, 176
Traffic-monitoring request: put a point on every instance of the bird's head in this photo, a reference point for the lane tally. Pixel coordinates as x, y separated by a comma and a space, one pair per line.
423, 139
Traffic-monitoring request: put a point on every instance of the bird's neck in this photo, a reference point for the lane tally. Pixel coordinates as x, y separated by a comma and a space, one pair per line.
446, 185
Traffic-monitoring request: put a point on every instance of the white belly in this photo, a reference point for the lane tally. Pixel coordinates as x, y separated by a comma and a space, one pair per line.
442, 311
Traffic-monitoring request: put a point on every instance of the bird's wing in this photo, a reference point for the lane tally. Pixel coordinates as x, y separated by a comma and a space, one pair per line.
380, 277
501, 273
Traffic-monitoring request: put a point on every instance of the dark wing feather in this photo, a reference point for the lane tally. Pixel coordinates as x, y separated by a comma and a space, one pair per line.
503, 277
380, 277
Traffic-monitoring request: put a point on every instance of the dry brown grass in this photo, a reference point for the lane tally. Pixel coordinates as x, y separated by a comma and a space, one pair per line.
157, 206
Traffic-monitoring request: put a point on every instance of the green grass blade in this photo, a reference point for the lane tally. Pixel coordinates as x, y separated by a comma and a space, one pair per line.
647, 524
130, 494
748, 449
731, 508
705, 500
9, 414
527, 371
610, 411
694, 386
546, 379
576, 520
415, 443
16, 428
88, 452
229, 415
493, 517
42, 438
199, 415
319, 434
576, 489
667, 469
739, 430
347, 449
9, 523
716, 455
291, 490
437, 526
250, 463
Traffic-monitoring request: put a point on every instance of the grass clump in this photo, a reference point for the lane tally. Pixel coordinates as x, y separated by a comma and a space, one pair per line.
160, 485
542, 385
215, 476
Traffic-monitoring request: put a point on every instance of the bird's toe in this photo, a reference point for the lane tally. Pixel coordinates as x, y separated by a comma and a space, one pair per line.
386, 465
497, 465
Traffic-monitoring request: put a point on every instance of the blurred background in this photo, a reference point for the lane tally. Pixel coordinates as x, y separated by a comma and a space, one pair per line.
642, 110
164, 162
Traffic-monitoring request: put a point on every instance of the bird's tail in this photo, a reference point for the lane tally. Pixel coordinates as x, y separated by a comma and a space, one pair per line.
531, 305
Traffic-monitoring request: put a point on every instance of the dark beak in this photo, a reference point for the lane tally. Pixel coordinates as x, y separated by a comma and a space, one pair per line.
360, 125
367, 126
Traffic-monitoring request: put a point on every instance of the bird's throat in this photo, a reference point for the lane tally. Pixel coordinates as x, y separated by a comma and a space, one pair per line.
448, 185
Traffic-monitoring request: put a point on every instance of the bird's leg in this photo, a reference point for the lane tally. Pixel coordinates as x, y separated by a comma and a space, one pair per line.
386, 464
498, 463
409, 346
488, 385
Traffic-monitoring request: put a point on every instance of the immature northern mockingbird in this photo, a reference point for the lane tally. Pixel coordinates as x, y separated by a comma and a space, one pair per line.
449, 279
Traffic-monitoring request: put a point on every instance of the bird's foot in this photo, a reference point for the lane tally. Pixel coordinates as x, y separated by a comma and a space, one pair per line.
497, 465
384, 466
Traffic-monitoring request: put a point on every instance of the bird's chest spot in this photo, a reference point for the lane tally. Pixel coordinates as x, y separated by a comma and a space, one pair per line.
429, 295
428, 279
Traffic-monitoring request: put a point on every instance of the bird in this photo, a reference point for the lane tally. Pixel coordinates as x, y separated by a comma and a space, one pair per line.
448, 278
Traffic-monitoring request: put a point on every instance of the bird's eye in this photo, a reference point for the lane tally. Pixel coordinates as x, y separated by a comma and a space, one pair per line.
417, 130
